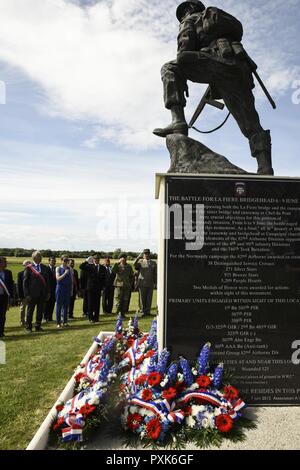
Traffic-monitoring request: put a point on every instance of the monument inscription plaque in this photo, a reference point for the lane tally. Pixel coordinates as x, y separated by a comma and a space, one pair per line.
239, 287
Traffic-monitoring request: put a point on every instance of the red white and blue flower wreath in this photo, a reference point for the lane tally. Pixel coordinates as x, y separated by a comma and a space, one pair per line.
161, 403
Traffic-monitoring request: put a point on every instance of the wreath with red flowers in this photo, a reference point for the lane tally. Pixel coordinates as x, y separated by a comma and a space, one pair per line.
160, 404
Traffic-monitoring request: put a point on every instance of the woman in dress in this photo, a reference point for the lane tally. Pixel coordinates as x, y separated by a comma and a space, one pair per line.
63, 292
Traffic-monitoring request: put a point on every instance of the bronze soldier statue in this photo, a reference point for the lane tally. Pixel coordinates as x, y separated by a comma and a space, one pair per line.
210, 51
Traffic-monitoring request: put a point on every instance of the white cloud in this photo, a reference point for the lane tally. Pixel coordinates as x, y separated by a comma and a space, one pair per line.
57, 173
93, 64
56, 196
101, 64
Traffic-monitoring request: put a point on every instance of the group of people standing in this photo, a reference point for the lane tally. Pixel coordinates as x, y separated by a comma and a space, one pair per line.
40, 287
118, 281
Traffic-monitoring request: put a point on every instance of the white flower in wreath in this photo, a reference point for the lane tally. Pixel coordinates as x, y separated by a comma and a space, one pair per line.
94, 400
180, 377
205, 423
196, 409
212, 423
190, 422
144, 366
195, 386
97, 386
84, 384
194, 371
164, 382
144, 412
111, 376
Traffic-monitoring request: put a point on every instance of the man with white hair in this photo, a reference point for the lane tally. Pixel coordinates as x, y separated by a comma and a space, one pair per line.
21, 297
36, 286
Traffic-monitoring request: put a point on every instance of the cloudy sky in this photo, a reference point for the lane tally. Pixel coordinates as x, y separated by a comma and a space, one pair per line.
83, 94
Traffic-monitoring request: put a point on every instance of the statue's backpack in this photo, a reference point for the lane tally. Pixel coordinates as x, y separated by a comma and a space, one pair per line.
219, 24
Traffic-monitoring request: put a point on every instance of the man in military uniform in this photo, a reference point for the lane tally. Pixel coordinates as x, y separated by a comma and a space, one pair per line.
123, 273
210, 51
146, 281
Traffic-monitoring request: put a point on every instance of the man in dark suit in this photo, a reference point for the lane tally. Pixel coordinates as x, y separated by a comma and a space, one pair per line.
95, 283
6, 292
21, 296
75, 287
49, 304
36, 285
108, 291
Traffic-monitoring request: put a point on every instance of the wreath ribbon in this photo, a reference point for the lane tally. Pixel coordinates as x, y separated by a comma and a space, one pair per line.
211, 398
171, 416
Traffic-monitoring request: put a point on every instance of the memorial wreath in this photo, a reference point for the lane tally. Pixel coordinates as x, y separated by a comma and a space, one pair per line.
157, 403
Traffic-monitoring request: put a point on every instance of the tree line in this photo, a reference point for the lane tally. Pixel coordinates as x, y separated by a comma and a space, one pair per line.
25, 253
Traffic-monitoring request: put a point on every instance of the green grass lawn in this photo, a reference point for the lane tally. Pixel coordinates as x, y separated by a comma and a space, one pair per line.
38, 367
15, 264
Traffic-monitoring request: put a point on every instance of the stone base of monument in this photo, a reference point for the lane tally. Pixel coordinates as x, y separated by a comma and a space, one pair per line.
40, 439
277, 429
228, 274
190, 156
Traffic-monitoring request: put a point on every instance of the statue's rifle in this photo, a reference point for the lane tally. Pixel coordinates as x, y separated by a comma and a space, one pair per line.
206, 99
253, 68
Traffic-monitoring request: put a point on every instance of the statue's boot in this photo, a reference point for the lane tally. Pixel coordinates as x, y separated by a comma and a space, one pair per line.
261, 149
264, 164
178, 126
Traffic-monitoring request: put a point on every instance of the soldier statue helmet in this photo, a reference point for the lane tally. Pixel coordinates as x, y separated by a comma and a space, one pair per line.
181, 10
210, 52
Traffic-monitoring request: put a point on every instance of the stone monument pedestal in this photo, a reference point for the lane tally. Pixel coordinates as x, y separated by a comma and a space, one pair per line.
229, 273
